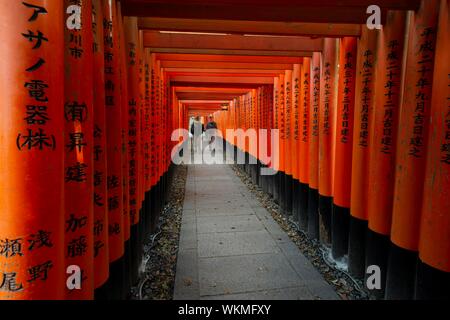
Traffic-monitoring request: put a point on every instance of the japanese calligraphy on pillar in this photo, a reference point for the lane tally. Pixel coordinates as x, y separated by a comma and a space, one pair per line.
296, 105
101, 261
327, 94
275, 103
31, 235
281, 102
392, 92
288, 108
445, 146
36, 114
114, 180
79, 149
349, 67
315, 101
157, 123
133, 128
154, 125
305, 104
425, 63
366, 97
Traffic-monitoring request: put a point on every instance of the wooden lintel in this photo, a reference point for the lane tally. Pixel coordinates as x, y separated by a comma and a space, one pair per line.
230, 42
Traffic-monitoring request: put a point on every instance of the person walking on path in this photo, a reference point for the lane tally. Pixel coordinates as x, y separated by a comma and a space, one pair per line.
197, 130
211, 128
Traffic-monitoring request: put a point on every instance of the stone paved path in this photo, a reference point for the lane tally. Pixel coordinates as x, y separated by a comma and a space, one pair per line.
231, 248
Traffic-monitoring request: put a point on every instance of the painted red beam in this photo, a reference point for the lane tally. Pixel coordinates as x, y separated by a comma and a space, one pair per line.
227, 58
321, 11
230, 42
194, 83
206, 96
230, 80
389, 4
225, 65
222, 74
269, 53
251, 27
204, 89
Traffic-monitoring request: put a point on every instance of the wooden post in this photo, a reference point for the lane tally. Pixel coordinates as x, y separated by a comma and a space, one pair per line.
433, 275
295, 138
364, 105
132, 65
327, 134
412, 150
382, 142
304, 139
288, 184
344, 144
79, 152
101, 243
114, 150
32, 151
313, 149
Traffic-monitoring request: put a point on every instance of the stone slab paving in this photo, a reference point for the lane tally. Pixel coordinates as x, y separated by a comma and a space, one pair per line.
231, 248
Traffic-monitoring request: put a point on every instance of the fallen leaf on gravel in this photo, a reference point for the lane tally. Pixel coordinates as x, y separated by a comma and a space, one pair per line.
187, 281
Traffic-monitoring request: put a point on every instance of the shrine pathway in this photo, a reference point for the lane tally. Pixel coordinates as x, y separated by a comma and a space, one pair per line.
231, 248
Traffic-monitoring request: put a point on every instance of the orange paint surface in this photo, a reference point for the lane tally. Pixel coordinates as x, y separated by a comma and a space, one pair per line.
282, 123
113, 133
125, 126
295, 119
364, 105
434, 243
101, 244
385, 123
304, 113
313, 145
344, 124
287, 121
32, 175
132, 65
79, 152
414, 122
328, 109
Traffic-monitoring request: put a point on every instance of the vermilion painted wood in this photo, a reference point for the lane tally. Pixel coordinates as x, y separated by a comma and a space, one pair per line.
313, 144
79, 152
295, 119
227, 58
344, 124
364, 107
134, 100
304, 123
32, 179
250, 27
113, 134
434, 247
412, 147
101, 243
229, 42
383, 146
287, 120
327, 114
125, 125
325, 11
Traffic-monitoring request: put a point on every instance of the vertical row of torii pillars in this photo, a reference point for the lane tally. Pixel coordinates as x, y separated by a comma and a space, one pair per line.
89, 106
363, 150
85, 139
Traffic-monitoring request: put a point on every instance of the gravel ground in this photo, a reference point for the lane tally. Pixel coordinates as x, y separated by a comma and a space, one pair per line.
345, 286
160, 253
